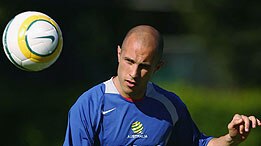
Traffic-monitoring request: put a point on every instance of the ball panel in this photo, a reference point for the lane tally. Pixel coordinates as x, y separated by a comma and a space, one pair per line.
11, 34
17, 62
41, 38
23, 44
4, 40
32, 66
11, 56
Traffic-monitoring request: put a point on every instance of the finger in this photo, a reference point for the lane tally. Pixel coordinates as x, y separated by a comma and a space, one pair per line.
253, 121
246, 123
241, 129
258, 122
236, 117
236, 121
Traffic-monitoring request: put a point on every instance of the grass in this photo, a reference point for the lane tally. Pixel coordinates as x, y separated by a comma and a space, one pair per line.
212, 109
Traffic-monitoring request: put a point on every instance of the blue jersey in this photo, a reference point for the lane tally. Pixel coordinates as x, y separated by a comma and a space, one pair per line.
160, 118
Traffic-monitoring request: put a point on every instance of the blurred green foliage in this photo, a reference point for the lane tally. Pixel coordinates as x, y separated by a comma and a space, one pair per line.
213, 108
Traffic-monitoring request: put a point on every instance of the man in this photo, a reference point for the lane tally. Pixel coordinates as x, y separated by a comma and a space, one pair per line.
130, 110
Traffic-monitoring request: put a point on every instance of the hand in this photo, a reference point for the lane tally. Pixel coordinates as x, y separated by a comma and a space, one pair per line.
240, 127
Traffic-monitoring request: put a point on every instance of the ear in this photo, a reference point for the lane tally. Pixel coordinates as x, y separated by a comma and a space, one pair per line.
119, 53
159, 65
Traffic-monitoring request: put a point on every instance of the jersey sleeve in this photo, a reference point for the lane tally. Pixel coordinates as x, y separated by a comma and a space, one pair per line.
185, 132
83, 121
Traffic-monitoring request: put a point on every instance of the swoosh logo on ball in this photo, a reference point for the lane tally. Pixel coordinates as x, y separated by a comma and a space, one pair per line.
47, 37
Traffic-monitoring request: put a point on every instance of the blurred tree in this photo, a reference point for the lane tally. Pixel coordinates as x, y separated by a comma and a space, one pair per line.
230, 30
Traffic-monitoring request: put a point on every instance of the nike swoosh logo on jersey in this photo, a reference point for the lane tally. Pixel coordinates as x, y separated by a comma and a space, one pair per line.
108, 111
47, 37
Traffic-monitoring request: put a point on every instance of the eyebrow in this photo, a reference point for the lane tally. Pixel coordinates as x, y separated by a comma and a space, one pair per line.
129, 59
142, 63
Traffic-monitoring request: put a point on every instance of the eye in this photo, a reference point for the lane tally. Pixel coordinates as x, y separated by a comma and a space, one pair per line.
129, 61
145, 66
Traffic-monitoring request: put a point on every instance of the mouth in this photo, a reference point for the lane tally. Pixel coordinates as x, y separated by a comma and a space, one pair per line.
131, 84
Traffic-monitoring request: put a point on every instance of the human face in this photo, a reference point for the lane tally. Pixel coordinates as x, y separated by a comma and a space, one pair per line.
137, 63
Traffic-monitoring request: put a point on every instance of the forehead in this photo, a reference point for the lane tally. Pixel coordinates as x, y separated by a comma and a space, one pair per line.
139, 50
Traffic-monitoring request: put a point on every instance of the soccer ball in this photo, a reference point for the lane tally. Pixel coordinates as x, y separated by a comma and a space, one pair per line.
32, 41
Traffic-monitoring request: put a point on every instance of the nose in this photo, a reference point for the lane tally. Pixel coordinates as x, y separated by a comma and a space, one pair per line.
134, 72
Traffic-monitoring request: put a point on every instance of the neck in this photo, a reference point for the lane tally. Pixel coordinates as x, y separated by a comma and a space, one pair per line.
132, 95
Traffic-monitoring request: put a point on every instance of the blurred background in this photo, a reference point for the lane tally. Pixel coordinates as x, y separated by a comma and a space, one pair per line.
212, 61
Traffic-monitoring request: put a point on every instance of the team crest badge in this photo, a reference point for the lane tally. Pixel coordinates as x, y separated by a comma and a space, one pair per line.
137, 129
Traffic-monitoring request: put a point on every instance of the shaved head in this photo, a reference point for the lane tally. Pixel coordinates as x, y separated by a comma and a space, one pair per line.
147, 36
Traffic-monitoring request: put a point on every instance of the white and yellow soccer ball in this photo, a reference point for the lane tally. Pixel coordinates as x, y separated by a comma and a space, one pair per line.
32, 41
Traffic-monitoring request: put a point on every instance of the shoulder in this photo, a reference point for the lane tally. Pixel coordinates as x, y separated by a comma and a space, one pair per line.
170, 100
157, 91
90, 99
87, 109
93, 94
